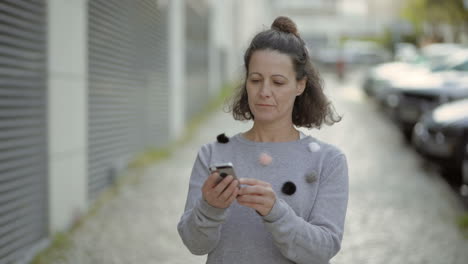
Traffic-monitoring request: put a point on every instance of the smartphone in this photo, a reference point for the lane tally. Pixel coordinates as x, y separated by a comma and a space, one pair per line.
224, 169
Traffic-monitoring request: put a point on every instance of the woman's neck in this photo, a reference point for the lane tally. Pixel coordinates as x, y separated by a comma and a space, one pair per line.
272, 133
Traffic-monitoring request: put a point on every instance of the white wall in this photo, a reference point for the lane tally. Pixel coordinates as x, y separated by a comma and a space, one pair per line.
176, 68
236, 22
67, 110
253, 17
227, 37
214, 70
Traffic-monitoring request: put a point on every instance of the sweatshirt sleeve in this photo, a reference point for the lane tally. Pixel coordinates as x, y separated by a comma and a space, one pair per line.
200, 225
318, 238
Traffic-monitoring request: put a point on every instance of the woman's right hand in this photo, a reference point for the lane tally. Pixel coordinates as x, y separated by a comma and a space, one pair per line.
222, 194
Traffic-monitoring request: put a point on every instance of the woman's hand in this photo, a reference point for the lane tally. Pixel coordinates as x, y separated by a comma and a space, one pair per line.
258, 195
222, 194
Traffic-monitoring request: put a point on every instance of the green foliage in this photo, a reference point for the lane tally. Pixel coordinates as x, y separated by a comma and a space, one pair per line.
434, 12
463, 224
410, 38
60, 243
150, 156
415, 12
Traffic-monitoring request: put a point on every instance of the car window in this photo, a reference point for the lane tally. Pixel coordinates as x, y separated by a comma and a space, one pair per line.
462, 67
439, 65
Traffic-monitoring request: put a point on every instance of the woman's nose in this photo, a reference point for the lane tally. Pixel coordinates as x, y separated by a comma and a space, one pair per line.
265, 90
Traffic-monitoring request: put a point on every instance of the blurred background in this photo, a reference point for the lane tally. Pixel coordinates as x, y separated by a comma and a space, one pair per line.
104, 104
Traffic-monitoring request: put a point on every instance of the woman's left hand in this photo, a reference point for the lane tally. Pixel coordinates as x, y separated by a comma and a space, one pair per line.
258, 195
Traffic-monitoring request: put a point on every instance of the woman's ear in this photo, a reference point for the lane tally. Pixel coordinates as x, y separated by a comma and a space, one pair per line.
301, 84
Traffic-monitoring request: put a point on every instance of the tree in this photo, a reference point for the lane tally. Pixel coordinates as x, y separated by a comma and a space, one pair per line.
436, 14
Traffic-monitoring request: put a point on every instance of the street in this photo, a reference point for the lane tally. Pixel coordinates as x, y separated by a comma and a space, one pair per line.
399, 211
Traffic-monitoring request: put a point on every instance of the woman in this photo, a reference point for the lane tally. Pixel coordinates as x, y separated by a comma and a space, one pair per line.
292, 200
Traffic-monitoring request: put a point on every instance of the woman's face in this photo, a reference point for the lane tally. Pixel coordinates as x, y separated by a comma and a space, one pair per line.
272, 86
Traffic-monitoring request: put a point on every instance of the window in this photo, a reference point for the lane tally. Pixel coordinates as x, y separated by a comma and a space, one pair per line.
462, 67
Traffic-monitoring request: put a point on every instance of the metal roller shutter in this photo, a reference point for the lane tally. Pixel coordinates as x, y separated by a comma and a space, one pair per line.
197, 30
23, 136
128, 83
155, 69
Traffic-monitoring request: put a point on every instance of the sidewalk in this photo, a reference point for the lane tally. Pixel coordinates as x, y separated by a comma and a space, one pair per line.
398, 212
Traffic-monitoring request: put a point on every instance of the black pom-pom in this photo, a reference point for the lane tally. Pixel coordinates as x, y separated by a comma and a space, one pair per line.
289, 188
223, 139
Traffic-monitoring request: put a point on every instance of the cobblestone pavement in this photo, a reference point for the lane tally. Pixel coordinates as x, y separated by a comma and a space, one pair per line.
399, 211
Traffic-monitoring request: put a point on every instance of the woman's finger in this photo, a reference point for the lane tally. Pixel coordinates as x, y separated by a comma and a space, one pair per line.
251, 181
256, 189
226, 194
210, 182
233, 196
223, 184
257, 207
253, 199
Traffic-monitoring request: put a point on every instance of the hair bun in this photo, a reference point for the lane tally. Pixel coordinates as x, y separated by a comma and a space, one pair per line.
285, 24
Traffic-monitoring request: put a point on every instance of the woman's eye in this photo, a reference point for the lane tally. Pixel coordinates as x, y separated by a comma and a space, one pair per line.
278, 83
254, 81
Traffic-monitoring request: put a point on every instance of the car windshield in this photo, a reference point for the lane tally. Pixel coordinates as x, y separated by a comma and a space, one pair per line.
457, 62
419, 60
462, 67
437, 65
433, 63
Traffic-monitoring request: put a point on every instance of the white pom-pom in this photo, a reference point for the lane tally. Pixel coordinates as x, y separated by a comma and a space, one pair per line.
265, 159
314, 147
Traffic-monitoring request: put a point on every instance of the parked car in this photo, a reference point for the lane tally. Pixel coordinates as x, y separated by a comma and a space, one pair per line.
406, 52
437, 51
379, 77
442, 136
408, 98
353, 52
365, 52
432, 57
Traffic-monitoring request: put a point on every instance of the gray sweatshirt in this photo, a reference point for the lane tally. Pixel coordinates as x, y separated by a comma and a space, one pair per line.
304, 227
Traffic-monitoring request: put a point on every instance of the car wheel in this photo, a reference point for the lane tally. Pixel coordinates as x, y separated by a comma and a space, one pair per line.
464, 171
464, 164
407, 134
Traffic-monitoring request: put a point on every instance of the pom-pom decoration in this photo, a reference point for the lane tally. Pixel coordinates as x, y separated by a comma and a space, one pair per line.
289, 188
265, 159
314, 147
311, 177
222, 138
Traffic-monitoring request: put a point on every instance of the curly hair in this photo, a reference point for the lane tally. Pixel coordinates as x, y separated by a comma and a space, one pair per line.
312, 108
